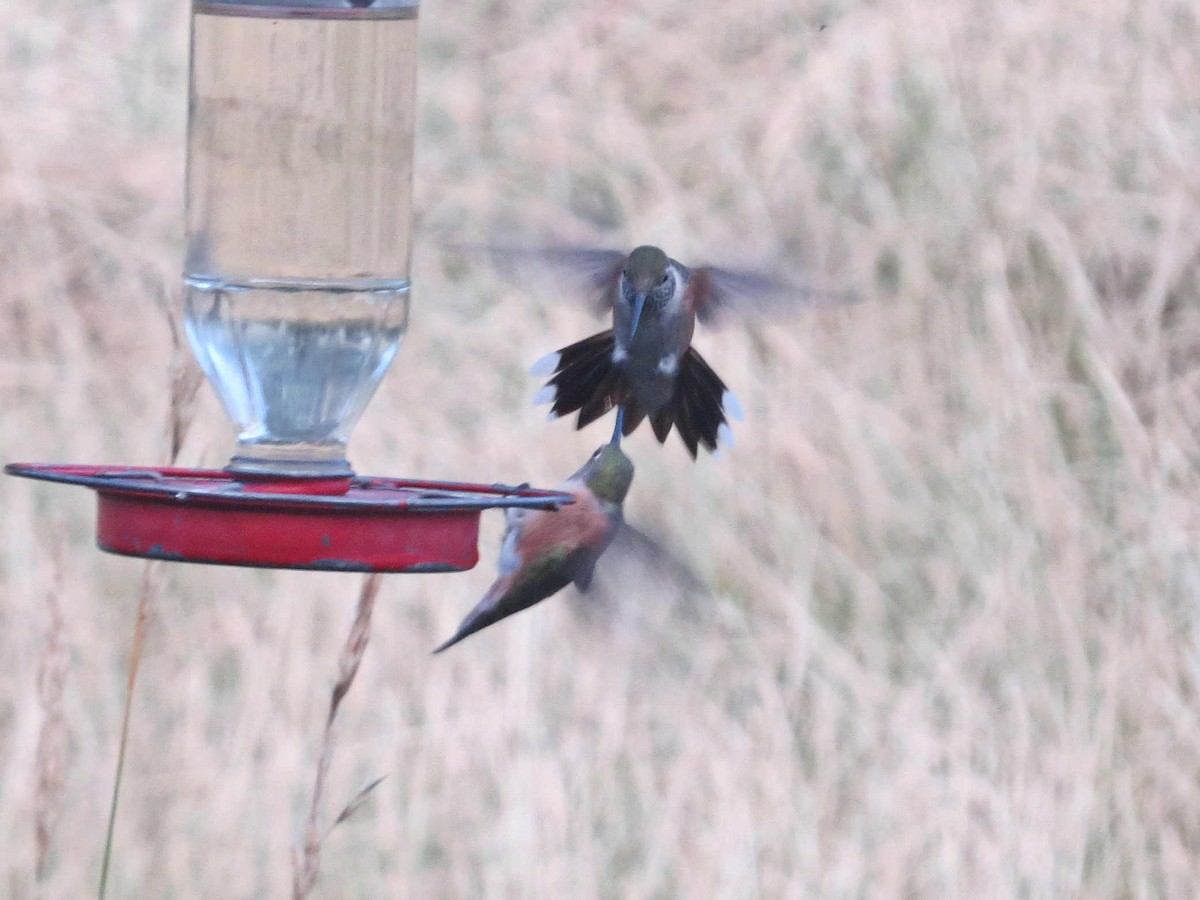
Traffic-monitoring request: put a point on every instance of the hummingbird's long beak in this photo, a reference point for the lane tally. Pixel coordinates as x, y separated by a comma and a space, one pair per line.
639, 300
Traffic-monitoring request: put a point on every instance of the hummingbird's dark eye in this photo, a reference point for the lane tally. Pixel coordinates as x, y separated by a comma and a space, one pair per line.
666, 277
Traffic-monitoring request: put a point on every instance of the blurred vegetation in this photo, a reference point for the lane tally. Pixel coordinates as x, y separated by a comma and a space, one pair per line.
929, 631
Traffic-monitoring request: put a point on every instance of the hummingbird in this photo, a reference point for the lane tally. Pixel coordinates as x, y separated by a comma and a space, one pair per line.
645, 365
545, 550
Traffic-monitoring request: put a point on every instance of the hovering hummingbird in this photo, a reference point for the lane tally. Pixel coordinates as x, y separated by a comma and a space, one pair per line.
645, 365
545, 550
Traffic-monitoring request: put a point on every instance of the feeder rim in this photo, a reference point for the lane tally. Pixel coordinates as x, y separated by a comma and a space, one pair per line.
308, 9
220, 487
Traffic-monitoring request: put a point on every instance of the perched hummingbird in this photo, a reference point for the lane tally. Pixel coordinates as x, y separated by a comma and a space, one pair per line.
545, 550
645, 364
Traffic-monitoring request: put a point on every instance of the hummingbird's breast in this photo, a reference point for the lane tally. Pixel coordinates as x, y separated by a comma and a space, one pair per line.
650, 356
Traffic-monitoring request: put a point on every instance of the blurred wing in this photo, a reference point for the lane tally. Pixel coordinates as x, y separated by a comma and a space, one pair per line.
717, 291
586, 271
647, 558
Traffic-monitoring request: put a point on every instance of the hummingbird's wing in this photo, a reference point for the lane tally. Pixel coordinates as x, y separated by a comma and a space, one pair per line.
713, 291
594, 271
584, 570
632, 545
584, 565
588, 271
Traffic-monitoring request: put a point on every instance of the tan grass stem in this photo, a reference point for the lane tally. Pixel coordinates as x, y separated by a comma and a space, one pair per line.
306, 862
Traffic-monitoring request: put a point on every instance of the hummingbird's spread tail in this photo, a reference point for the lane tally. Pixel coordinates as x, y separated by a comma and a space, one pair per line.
509, 594
520, 589
699, 407
586, 380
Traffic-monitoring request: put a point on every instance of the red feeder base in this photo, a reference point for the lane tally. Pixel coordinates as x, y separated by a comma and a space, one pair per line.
353, 525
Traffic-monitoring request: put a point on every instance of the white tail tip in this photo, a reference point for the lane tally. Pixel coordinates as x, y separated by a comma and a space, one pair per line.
732, 406
547, 365
725, 437
548, 394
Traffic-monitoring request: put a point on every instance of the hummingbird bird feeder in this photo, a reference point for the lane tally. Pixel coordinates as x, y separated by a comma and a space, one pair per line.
296, 296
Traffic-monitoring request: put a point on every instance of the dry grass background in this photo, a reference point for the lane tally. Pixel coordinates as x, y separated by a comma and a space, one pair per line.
943, 641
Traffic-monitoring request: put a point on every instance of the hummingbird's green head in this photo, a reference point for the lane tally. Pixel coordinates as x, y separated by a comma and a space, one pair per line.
645, 278
608, 474
645, 269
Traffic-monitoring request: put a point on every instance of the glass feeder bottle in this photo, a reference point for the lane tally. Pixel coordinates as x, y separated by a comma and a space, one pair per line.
299, 217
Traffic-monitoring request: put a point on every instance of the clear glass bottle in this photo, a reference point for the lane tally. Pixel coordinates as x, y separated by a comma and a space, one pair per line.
299, 216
